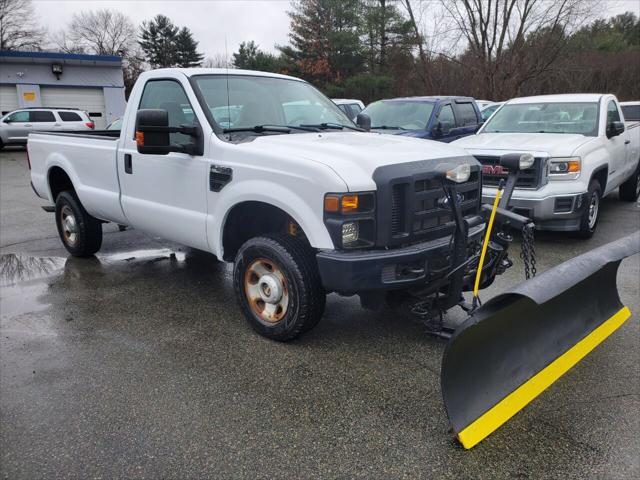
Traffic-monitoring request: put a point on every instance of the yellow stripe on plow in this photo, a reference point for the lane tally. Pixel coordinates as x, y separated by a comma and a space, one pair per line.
525, 393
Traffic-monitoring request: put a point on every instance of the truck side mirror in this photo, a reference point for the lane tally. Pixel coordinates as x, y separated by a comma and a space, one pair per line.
153, 134
363, 121
441, 128
614, 129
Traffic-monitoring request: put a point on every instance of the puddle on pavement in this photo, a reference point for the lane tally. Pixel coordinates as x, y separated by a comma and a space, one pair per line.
25, 279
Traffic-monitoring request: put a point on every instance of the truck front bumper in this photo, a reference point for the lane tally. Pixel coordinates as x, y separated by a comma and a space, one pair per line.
550, 211
361, 271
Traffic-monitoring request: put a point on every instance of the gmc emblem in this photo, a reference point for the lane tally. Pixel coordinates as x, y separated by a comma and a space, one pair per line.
494, 170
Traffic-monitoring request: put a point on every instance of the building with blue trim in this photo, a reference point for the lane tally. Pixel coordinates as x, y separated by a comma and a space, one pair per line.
51, 79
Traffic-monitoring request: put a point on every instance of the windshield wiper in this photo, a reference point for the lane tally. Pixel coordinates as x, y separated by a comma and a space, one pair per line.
270, 128
332, 126
388, 127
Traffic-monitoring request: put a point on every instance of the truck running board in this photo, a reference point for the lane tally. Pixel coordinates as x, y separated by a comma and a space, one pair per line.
520, 342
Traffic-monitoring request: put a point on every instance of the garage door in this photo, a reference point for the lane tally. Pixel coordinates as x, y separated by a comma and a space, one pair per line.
8, 98
89, 99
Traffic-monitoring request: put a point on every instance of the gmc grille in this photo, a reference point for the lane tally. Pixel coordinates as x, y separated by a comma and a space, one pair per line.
530, 178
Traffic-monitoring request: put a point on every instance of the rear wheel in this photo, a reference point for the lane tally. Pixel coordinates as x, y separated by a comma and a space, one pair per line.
590, 216
630, 190
278, 286
80, 233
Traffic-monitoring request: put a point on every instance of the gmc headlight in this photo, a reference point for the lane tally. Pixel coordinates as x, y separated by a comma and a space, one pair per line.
564, 168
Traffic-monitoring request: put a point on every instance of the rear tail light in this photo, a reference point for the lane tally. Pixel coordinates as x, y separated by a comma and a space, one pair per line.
91, 125
28, 159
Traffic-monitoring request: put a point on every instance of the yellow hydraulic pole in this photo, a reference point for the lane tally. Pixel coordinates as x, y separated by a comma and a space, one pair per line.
487, 237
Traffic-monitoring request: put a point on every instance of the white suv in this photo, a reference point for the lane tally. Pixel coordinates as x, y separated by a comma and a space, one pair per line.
16, 126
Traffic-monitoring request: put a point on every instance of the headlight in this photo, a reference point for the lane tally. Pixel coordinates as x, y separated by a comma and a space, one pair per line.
350, 233
564, 168
350, 219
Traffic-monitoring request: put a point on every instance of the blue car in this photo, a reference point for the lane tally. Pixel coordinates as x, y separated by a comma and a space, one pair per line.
436, 118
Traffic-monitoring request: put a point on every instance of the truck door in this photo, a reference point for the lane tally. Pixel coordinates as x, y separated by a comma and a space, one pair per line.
616, 148
446, 117
165, 195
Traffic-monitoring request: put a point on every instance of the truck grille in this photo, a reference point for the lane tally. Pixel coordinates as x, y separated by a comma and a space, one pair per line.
492, 173
420, 213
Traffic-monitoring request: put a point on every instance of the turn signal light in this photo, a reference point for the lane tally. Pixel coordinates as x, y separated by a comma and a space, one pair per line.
140, 139
332, 203
574, 166
349, 203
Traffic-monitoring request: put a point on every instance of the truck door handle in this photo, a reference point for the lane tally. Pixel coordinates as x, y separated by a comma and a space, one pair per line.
128, 167
627, 142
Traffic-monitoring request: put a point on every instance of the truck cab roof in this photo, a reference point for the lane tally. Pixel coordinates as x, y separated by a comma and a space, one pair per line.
560, 98
191, 72
431, 99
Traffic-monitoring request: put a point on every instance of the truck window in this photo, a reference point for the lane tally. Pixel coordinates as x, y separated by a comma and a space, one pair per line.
467, 114
631, 112
69, 117
255, 100
18, 117
446, 115
170, 96
612, 112
41, 116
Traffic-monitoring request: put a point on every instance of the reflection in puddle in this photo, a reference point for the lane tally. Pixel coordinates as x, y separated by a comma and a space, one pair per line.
152, 254
20, 268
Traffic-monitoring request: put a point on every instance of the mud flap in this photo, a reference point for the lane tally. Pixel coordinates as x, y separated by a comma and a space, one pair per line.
520, 342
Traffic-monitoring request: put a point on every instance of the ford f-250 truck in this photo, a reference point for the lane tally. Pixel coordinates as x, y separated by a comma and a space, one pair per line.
583, 148
264, 171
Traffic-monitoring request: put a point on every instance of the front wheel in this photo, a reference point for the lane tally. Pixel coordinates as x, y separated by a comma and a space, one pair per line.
630, 190
590, 216
81, 234
278, 286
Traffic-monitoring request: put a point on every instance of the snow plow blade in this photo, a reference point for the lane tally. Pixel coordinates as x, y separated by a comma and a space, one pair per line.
520, 342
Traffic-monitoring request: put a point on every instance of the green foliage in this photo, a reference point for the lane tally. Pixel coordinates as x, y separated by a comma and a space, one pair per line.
250, 57
166, 45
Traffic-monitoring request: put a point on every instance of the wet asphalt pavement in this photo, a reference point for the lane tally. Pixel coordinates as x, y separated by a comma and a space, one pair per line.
138, 364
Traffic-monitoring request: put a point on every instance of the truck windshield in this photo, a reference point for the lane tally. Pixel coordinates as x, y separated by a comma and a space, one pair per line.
254, 101
398, 114
581, 118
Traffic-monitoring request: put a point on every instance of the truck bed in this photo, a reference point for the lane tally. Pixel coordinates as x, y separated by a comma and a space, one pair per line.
89, 158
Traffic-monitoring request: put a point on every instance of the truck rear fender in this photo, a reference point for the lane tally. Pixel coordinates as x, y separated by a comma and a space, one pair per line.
269, 194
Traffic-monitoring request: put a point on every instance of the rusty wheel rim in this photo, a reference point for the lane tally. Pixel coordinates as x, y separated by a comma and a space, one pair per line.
265, 287
69, 225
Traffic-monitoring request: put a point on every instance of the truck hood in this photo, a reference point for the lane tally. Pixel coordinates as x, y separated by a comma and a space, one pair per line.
555, 144
354, 156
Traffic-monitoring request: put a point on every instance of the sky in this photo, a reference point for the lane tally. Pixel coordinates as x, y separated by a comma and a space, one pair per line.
215, 22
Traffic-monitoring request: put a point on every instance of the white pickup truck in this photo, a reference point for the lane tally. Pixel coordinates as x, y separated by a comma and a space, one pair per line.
265, 171
583, 148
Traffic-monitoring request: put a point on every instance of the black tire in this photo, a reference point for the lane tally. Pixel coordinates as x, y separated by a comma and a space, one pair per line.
84, 237
630, 190
589, 218
292, 265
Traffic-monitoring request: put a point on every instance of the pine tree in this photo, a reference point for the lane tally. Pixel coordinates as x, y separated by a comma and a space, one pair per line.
187, 54
158, 41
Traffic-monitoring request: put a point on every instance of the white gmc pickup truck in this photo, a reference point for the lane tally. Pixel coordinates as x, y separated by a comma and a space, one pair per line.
264, 171
583, 149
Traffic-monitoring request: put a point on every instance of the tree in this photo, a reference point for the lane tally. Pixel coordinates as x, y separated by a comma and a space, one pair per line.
157, 40
166, 45
100, 32
18, 27
250, 57
325, 39
187, 54
496, 33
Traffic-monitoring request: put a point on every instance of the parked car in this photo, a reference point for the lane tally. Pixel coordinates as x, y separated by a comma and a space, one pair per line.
16, 126
488, 110
484, 103
437, 118
350, 107
115, 125
631, 111
583, 151
294, 193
